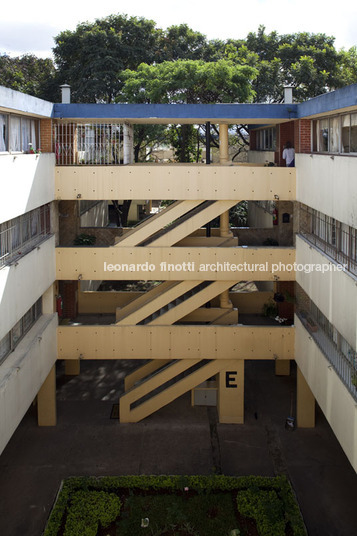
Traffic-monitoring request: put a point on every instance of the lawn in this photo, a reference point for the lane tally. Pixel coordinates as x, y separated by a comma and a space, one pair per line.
176, 506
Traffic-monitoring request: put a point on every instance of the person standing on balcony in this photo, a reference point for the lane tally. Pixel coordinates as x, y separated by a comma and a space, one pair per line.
289, 155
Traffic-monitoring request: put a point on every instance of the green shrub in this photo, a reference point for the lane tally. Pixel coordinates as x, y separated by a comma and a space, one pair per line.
266, 508
89, 508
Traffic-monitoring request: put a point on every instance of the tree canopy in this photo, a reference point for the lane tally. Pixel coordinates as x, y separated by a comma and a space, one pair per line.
189, 82
95, 58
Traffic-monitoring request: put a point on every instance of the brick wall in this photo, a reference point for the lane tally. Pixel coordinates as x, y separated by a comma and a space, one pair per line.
46, 135
286, 133
304, 136
253, 140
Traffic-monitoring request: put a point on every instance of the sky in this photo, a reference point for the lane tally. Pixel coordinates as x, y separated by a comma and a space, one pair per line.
29, 27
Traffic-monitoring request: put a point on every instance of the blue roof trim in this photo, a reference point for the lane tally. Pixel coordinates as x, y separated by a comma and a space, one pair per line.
336, 100
175, 111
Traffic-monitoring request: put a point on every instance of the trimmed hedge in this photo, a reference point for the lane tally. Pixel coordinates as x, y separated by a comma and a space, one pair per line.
271, 490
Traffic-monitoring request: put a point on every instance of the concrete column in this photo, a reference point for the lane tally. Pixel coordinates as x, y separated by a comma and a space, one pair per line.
305, 403
224, 160
282, 367
223, 144
224, 300
46, 401
128, 134
230, 402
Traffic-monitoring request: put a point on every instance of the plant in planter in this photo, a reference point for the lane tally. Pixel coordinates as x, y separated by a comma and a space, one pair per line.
84, 240
270, 309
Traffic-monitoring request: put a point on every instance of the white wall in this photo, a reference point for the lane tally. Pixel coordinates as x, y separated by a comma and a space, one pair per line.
337, 404
328, 184
23, 373
26, 182
334, 293
22, 285
260, 157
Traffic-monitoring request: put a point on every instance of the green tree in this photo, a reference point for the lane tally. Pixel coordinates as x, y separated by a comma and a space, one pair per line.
189, 82
27, 74
181, 43
92, 57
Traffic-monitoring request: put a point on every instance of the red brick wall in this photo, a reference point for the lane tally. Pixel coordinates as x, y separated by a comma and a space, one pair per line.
253, 140
46, 135
286, 133
304, 136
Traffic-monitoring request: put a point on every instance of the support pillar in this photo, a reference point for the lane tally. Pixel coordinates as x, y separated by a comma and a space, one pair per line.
305, 403
223, 144
282, 367
224, 160
46, 401
230, 402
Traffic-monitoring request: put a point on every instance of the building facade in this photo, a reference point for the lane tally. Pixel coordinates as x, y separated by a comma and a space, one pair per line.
66, 169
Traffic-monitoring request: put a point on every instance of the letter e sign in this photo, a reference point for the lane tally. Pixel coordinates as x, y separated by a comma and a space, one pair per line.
230, 379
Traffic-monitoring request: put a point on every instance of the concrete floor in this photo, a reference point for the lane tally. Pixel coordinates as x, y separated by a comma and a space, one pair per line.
176, 440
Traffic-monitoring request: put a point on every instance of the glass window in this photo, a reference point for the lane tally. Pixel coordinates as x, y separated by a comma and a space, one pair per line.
5, 347
3, 132
334, 124
353, 134
323, 136
345, 133
26, 134
15, 134
17, 332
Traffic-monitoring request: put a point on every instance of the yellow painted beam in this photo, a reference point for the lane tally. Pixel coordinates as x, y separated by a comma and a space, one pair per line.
139, 374
172, 342
156, 222
190, 304
170, 393
174, 263
152, 300
175, 181
196, 221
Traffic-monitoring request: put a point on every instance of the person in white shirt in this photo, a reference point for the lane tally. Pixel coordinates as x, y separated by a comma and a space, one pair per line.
289, 155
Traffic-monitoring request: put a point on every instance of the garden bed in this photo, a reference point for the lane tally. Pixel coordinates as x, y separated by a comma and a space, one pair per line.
176, 506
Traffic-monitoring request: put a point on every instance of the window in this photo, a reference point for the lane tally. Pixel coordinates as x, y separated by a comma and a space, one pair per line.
336, 134
14, 336
20, 235
3, 132
266, 139
18, 134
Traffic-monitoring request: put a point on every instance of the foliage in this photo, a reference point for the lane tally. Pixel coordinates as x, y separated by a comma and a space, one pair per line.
189, 82
27, 74
270, 309
266, 508
92, 57
210, 514
202, 485
84, 240
89, 508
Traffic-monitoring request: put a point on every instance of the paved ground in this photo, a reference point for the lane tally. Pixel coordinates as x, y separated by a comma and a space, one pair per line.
176, 440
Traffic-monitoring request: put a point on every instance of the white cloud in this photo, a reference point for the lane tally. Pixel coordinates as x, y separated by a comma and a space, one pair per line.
30, 26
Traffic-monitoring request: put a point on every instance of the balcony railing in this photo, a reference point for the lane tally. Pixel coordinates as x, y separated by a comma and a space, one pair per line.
88, 144
335, 239
22, 234
335, 348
